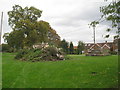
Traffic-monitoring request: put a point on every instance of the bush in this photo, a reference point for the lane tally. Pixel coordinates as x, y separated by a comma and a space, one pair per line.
21, 53
113, 53
5, 48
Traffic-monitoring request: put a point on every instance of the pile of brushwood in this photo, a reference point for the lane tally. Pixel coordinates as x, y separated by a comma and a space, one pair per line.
42, 54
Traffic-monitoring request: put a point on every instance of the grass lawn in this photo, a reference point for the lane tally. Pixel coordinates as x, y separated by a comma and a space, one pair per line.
79, 72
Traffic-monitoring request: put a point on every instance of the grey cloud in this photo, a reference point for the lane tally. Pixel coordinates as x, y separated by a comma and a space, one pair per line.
76, 16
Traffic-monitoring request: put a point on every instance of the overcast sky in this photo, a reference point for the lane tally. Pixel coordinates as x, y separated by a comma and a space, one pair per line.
70, 18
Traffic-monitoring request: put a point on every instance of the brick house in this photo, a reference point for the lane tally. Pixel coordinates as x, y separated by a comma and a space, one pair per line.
105, 48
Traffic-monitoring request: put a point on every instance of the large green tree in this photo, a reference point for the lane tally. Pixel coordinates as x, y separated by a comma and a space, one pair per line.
24, 22
37, 34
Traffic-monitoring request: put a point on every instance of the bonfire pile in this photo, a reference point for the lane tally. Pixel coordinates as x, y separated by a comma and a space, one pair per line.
49, 53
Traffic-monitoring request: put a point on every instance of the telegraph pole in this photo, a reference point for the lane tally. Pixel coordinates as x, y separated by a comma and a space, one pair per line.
1, 27
94, 34
93, 24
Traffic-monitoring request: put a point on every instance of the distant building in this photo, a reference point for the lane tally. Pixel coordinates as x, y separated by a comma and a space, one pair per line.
105, 48
75, 47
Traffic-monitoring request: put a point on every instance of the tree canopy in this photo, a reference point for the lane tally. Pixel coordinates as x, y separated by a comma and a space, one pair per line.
20, 17
27, 29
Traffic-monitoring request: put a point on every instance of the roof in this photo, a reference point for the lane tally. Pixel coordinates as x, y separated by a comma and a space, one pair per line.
94, 45
108, 44
75, 47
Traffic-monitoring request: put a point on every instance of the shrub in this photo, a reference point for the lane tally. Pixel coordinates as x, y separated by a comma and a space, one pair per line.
21, 53
5, 48
113, 53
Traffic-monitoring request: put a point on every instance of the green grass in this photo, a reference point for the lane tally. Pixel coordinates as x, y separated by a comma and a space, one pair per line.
74, 73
